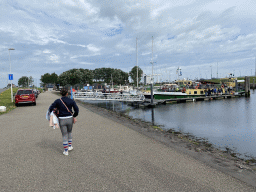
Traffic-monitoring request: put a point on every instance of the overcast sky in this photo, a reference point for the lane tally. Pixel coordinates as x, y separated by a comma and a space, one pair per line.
196, 35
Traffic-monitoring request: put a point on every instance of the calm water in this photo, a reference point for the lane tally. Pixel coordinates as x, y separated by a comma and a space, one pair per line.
224, 123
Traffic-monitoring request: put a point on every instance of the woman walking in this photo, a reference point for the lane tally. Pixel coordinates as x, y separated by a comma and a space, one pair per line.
65, 105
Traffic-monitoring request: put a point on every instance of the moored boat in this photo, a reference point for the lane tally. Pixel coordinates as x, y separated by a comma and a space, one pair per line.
183, 89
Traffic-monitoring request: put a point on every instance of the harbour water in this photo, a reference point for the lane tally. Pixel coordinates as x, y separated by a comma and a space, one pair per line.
226, 123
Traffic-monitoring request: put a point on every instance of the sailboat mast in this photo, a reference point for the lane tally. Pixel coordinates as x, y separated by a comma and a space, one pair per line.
255, 66
152, 63
137, 62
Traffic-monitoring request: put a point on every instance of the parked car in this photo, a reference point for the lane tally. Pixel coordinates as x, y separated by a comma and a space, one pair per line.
25, 96
35, 93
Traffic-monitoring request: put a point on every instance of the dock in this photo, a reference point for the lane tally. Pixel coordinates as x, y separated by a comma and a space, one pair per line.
205, 98
147, 102
142, 102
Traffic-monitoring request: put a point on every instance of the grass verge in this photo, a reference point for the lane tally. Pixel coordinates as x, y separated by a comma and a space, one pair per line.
5, 100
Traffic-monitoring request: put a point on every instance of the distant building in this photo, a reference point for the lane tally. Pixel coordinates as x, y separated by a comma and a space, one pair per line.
147, 79
49, 87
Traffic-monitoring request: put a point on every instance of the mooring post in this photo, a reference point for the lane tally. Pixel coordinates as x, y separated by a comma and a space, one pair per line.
246, 86
249, 89
153, 116
151, 89
236, 86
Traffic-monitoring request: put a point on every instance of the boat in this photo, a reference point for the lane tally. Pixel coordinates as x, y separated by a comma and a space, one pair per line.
185, 93
181, 89
229, 82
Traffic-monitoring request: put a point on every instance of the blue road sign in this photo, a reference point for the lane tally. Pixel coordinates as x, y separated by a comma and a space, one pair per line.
10, 76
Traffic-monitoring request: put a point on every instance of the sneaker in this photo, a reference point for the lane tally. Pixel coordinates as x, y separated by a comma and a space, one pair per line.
65, 152
70, 148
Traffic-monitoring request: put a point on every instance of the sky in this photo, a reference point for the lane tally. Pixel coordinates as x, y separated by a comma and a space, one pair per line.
204, 38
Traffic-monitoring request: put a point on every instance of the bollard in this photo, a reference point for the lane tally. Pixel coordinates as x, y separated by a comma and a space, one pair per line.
151, 88
236, 85
246, 86
249, 90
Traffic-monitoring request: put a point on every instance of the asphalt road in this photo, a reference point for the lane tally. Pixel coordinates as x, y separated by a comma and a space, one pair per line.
107, 156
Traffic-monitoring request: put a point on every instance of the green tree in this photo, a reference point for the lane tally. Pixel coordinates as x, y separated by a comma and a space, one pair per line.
87, 76
98, 74
30, 81
104, 75
46, 78
124, 77
107, 72
23, 81
54, 78
71, 77
119, 77
49, 78
133, 74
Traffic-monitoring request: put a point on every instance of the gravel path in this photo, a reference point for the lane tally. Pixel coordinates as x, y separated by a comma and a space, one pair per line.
107, 156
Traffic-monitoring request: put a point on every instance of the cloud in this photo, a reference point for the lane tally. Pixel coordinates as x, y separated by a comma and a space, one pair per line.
97, 33
54, 58
93, 48
46, 51
85, 63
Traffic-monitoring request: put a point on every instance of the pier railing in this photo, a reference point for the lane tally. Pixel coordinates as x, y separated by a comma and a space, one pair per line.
107, 96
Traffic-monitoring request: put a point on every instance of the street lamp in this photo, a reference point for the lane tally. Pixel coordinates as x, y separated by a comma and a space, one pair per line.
11, 71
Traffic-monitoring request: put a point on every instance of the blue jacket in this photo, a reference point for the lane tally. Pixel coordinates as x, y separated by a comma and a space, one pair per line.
63, 112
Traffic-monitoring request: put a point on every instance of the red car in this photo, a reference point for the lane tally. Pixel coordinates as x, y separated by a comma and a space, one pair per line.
25, 96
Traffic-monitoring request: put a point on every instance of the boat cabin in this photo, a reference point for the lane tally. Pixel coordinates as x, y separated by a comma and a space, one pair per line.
229, 82
183, 83
195, 92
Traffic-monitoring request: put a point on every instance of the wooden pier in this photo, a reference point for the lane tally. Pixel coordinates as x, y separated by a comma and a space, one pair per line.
147, 102
205, 98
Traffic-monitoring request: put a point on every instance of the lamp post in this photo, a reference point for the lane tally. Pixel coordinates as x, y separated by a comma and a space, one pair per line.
11, 71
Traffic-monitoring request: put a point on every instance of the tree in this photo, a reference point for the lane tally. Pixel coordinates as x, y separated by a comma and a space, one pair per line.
49, 78
133, 74
98, 74
71, 77
119, 77
54, 78
23, 81
87, 76
30, 80
124, 77
106, 74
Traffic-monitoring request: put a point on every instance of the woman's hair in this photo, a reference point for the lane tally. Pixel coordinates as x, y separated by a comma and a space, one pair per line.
64, 92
